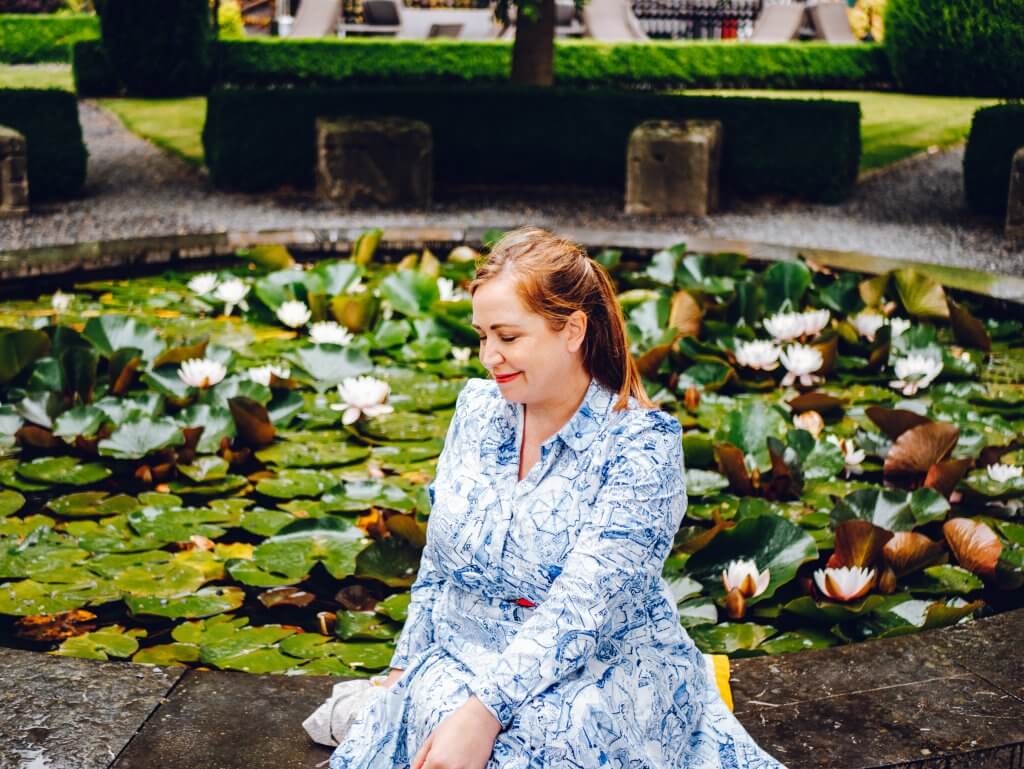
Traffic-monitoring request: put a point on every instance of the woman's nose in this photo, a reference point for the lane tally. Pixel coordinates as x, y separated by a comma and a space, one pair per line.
490, 356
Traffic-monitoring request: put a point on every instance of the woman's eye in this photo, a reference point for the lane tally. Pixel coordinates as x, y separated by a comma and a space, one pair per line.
483, 339
508, 339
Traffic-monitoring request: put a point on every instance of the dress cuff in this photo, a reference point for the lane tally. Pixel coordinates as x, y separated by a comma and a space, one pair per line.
494, 700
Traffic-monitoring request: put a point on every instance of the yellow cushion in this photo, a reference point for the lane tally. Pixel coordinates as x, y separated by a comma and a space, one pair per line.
718, 664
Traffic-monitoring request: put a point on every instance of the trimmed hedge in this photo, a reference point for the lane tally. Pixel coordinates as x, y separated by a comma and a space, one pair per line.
158, 49
996, 134
48, 118
259, 139
960, 47
36, 38
276, 61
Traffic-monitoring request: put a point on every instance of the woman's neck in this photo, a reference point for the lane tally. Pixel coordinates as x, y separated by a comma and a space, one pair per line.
548, 417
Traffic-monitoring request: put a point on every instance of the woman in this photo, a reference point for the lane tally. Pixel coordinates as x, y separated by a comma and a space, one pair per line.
540, 631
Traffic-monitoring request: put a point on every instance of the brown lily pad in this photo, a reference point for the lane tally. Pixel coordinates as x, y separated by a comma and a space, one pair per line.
944, 476
909, 551
816, 401
974, 544
916, 450
894, 422
858, 543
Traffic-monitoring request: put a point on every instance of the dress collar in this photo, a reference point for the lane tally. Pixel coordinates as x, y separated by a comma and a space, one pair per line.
583, 426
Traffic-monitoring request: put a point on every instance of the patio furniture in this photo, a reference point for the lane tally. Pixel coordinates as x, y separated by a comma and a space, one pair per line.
611, 21
778, 23
831, 22
380, 18
316, 18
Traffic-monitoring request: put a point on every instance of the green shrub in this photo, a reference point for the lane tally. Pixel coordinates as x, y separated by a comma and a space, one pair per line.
35, 38
158, 48
229, 20
257, 139
996, 134
966, 47
48, 118
657, 64
91, 68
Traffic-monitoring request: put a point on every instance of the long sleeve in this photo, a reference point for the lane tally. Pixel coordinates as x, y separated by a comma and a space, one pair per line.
618, 555
418, 631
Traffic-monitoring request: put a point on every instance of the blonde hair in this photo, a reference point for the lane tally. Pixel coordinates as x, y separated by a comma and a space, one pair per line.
554, 277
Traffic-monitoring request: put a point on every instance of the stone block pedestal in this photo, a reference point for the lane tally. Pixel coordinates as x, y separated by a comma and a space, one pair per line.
374, 161
1015, 201
672, 167
13, 173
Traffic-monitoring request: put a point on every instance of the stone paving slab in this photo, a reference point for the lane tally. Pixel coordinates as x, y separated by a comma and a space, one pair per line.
222, 720
64, 713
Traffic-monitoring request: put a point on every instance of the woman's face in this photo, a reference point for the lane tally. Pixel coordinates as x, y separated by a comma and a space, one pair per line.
530, 361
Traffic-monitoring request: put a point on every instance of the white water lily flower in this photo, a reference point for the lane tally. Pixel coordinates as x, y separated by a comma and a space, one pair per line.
329, 332
853, 457
294, 314
1001, 473
201, 372
867, 324
261, 374
915, 372
785, 326
815, 321
462, 354
811, 421
61, 301
362, 395
846, 583
742, 575
801, 361
898, 326
232, 292
449, 291
760, 355
203, 283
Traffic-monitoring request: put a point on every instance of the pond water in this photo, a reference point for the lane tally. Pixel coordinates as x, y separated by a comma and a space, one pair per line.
193, 469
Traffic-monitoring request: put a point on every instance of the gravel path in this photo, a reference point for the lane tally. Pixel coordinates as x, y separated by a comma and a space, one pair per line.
913, 211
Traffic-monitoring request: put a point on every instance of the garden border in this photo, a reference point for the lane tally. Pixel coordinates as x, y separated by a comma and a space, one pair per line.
896, 703
62, 265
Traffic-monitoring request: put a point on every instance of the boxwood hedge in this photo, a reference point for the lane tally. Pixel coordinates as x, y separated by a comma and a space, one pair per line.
261, 138
996, 134
48, 119
36, 38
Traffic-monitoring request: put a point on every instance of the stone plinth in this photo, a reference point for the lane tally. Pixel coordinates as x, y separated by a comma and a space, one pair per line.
1015, 201
374, 161
13, 173
672, 167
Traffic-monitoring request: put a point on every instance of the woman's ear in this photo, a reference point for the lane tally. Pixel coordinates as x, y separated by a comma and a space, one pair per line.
576, 327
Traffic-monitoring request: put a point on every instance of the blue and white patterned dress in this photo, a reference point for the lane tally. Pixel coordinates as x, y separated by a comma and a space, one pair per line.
599, 672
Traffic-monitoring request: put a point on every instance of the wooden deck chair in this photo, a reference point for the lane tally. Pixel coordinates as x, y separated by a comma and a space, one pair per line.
831, 22
317, 18
778, 24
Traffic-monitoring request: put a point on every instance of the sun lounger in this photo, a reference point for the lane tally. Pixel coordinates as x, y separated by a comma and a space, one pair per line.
778, 23
831, 22
316, 18
611, 21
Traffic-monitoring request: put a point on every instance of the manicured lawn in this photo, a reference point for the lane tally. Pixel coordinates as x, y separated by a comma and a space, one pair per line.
896, 125
175, 125
36, 76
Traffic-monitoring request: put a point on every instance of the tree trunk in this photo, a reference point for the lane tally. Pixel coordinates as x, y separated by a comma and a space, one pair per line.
533, 53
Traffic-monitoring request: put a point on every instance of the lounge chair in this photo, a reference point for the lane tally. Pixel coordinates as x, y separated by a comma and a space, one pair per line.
380, 18
778, 23
316, 18
611, 21
831, 22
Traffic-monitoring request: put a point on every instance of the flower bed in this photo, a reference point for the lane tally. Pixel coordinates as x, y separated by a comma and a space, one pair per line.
229, 468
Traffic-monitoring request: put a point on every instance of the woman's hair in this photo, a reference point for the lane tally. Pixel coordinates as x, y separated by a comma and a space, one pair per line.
554, 278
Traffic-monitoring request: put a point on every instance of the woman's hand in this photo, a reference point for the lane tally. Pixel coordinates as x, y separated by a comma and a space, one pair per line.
463, 740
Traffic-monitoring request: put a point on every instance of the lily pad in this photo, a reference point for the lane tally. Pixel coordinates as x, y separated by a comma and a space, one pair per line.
892, 509
734, 639
66, 471
204, 602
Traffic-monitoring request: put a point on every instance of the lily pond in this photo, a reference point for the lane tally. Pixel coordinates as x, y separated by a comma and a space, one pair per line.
228, 468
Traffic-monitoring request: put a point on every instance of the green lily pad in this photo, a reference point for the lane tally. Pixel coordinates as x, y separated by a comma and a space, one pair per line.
204, 602
110, 333
700, 483
87, 504
292, 483
364, 625
830, 612
291, 454
798, 640
113, 641
216, 421
331, 365
406, 426
395, 607
10, 502
66, 471
137, 438
892, 509
166, 655
205, 469
943, 580
734, 639
81, 420
392, 561
699, 611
